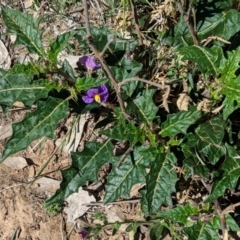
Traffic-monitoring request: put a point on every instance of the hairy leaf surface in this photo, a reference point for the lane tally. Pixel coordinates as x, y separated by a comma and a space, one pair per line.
88, 82
160, 181
180, 213
231, 83
26, 29
58, 45
202, 231
208, 59
179, 122
126, 132
231, 169
223, 24
210, 136
36, 124
17, 87
132, 171
143, 106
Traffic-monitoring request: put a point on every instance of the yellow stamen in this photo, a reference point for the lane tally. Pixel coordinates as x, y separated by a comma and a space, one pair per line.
97, 98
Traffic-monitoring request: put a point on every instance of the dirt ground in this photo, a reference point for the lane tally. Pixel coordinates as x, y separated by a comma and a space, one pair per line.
22, 215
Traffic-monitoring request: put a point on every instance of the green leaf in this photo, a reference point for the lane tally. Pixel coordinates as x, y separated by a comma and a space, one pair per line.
127, 69
208, 59
67, 68
210, 24
223, 25
231, 169
160, 181
179, 122
101, 35
58, 45
85, 167
231, 83
36, 124
156, 231
143, 106
132, 171
17, 87
89, 82
26, 29
230, 222
126, 132
144, 202
210, 135
229, 66
180, 213
202, 231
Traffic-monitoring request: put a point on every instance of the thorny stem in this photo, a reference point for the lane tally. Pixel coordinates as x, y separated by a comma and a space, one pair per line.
134, 13
124, 156
186, 17
98, 54
160, 86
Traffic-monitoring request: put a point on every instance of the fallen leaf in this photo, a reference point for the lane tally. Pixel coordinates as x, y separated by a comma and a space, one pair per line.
115, 214
76, 204
5, 60
183, 102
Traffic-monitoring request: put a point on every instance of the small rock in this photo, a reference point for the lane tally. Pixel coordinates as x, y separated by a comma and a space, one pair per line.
48, 184
5, 131
16, 162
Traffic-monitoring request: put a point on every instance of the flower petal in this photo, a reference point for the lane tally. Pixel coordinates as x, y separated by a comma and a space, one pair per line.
103, 92
92, 92
89, 63
102, 89
87, 99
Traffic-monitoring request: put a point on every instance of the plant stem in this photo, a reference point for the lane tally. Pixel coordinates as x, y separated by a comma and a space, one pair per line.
125, 81
98, 54
186, 17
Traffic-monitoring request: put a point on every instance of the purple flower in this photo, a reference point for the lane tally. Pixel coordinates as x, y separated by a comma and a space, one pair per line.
89, 63
99, 94
84, 233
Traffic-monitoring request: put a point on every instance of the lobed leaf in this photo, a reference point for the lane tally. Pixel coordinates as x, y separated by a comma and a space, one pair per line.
87, 82
202, 231
208, 59
231, 87
210, 137
180, 213
18, 87
121, 180
179, 122
85, 167
127, 69
143, 106
39, 123
58, 45
223, 24
231, 169
26, 29
160, 181
101, 36
126, 132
